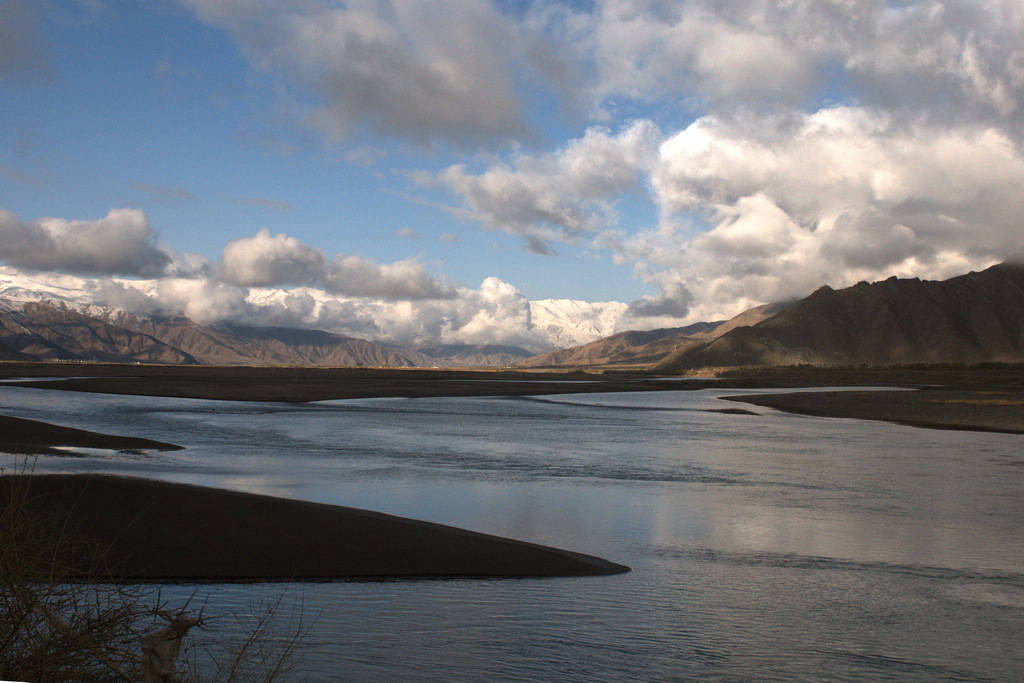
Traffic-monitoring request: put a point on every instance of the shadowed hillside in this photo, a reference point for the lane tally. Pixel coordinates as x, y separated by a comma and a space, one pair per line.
972, 318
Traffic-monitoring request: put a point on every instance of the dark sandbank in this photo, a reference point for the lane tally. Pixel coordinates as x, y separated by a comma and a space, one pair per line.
18, 435
301, 384
149, 530
986, 410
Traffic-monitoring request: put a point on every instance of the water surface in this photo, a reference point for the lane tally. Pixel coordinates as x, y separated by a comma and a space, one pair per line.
763, 547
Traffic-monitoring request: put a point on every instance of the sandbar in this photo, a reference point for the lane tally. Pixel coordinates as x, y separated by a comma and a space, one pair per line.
990, 410
302, 384
18, 435
147, 530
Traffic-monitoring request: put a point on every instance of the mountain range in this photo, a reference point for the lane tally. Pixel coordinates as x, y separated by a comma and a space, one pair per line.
975, 317
47, 330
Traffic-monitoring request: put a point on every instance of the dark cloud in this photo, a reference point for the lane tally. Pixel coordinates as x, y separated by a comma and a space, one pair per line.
406, 280
24, 53
432, 71
121, 243
673, 301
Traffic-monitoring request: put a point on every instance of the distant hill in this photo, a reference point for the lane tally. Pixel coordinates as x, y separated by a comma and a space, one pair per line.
631, 347
972, 318
55, 331
641, 349
468, 355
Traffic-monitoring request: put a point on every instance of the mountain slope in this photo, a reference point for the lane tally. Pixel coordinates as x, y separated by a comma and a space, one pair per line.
7, 353
55, 331
634, 348
468, 355
631, 347
968, 319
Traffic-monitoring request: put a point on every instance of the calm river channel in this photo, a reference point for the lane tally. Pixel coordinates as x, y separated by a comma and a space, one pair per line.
764, 547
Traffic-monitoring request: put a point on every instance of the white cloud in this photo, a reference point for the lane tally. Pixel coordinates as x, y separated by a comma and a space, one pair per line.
561, 196
835, 196
202, 299
120, 243
951, 57
270, 260
495, 313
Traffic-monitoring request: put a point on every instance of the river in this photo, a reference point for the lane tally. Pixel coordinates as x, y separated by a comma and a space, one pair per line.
764, 547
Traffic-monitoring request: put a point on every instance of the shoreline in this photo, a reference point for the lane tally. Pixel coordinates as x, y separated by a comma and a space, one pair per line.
144, 530
980, 398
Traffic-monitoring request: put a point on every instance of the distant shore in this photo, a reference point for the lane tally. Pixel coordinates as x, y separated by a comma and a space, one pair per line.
302, 384
984, 411
983, 398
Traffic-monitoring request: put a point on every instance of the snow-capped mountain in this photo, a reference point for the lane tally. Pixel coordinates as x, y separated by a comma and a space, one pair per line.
566, 322
495, 315
204, 320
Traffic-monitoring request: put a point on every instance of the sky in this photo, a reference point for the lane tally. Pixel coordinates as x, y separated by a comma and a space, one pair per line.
432, 166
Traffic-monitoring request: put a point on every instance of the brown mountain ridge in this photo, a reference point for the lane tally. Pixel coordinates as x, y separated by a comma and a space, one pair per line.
972, 318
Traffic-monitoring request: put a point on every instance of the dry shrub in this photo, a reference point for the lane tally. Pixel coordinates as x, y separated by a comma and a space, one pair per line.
58, 626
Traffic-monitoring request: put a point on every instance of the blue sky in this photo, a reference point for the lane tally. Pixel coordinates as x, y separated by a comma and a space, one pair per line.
687, 158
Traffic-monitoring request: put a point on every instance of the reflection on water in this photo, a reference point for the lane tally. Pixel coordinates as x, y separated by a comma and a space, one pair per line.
764, 547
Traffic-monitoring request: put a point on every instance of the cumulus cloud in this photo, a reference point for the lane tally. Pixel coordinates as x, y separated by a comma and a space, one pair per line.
202, 299
408, 279
950, 57
267, 259
120, 243
560, 196
673, 301
838, 195
495, 313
